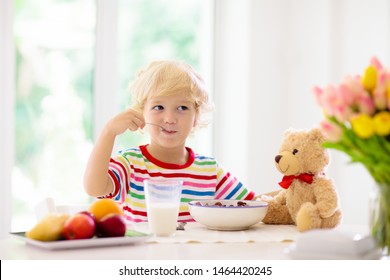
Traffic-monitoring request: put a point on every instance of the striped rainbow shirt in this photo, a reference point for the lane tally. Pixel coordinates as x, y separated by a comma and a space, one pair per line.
202, 178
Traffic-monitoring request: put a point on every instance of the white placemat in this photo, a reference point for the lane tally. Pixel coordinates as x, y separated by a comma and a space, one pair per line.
197, 233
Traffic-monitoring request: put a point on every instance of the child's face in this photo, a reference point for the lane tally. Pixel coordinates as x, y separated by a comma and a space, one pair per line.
176, 113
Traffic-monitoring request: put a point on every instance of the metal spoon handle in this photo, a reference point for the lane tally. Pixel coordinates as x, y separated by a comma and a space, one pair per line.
161, 127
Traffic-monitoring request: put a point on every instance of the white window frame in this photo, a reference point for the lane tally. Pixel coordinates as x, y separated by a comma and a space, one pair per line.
7, 122
105, 91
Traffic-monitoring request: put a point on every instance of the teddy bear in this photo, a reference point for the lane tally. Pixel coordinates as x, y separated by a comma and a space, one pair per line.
308, 198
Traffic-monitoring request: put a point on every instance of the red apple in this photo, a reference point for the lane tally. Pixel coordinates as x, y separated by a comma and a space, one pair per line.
111, 225
79, 226
90, 214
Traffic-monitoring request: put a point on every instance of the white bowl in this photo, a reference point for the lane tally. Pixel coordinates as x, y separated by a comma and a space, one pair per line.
229, 216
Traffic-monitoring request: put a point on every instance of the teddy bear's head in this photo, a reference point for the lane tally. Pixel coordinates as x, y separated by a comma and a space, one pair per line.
302, 152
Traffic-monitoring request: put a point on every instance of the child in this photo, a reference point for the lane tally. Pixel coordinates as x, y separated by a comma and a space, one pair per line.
170, 99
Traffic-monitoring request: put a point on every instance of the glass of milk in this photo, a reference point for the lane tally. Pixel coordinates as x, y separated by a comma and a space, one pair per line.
162, 198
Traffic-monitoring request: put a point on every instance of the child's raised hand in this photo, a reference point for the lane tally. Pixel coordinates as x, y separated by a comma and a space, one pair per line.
128, 119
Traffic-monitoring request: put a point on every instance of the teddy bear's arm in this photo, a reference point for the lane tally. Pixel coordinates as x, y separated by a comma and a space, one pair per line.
268, 195
277, 196
326, 196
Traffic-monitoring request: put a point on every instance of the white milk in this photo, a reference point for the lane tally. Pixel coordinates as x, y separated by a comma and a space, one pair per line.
162, 218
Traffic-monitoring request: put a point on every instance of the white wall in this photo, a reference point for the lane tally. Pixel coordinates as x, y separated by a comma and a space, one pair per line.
269, 55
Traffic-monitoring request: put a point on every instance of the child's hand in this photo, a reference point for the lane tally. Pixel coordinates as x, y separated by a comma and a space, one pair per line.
128, 119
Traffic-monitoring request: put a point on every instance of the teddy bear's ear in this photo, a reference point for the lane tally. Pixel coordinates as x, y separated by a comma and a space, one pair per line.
289, 131
317, 134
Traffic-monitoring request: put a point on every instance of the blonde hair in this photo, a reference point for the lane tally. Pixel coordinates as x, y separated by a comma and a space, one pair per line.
163, 78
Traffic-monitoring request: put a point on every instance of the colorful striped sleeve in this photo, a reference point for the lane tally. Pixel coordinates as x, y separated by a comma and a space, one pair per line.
119, 173
229, 187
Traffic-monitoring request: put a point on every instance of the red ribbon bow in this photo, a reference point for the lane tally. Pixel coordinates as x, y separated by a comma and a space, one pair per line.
287, 180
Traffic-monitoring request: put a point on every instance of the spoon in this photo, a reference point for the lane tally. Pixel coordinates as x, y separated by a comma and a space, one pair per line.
160, 126
181, 226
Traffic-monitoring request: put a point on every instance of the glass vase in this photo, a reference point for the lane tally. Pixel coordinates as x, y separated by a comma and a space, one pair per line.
380, 216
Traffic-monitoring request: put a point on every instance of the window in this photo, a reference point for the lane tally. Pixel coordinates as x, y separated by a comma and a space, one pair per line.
54, 47
56, 64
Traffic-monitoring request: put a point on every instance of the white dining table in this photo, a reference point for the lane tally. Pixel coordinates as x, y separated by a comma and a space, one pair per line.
271, 242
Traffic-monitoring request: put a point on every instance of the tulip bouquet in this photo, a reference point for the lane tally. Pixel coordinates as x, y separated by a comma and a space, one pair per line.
357, 122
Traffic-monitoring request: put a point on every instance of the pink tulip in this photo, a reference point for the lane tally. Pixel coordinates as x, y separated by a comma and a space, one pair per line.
331, 131
326, 98
346, 94
365, 104
318, 94
342, 113
355, 86
376, 63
